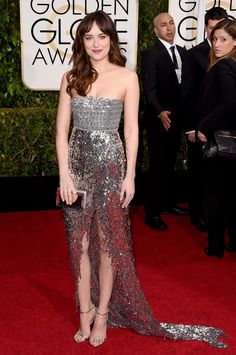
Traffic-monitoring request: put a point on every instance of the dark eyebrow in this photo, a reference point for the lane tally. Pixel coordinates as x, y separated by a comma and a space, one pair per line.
88, 34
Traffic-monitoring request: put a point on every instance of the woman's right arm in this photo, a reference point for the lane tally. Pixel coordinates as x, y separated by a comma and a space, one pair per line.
62, 132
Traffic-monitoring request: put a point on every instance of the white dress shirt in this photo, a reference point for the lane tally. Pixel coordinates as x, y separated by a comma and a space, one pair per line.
179, 61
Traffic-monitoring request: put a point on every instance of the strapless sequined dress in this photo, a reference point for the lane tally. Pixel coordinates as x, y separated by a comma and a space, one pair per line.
97, 164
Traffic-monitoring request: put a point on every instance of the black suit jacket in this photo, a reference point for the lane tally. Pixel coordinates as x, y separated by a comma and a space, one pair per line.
160, 85
217, 105
198, 58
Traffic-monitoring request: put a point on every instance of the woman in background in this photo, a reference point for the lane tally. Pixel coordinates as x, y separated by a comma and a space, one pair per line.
217, 111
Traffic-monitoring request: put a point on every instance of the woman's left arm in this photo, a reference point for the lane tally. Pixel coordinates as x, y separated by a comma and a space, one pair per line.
131, 109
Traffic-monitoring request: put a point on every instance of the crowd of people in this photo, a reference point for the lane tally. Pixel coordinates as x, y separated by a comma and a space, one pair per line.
95, 162
189, 90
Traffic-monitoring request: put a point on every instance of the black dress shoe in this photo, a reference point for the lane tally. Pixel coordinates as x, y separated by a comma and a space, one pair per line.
176, 210
211, 252
156, 223
230, 248
200, 224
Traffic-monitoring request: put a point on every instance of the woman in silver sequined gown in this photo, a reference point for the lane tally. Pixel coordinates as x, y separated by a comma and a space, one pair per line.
107, 288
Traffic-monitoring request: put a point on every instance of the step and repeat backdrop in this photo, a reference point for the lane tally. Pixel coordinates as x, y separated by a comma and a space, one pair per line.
48, 28
189, 18
47, 33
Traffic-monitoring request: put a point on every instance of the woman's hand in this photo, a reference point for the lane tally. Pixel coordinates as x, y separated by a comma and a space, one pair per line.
67, 190
201, 136
127, 191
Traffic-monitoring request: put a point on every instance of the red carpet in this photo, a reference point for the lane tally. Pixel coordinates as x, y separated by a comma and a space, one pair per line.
182, 285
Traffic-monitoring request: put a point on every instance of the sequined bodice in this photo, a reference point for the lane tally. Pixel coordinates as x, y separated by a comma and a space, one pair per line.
91, 113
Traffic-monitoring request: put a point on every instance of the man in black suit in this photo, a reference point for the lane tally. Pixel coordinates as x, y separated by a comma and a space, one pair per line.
161, 78
198, 58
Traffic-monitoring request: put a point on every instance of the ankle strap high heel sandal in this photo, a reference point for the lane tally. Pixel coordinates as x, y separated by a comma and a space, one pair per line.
79, 336
96, 340
90, 309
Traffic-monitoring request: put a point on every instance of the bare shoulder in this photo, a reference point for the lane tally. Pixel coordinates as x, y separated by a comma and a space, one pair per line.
128, 78
64, 77
130, 83
128, 74
64, 83
125, 81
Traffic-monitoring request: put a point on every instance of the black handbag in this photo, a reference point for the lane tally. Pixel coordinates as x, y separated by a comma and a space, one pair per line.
221, 145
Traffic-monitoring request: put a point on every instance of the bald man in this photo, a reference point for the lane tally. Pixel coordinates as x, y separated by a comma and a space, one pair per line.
162, 78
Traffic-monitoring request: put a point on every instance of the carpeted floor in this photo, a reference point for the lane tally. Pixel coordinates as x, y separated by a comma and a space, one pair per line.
182, 285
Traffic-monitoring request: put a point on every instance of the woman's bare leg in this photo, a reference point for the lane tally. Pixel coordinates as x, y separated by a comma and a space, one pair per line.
87, 312
106, 281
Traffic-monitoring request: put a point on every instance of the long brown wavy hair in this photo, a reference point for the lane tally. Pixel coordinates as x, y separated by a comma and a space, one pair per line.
82, 74
229, 26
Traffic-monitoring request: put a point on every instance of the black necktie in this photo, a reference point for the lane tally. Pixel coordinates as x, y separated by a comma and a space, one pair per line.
172, 48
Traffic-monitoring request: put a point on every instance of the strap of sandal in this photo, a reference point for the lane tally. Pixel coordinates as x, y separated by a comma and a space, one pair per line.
102, 314
88, 310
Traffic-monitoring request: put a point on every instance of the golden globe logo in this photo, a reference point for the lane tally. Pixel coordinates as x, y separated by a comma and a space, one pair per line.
189, 18
54, 33
48, 30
